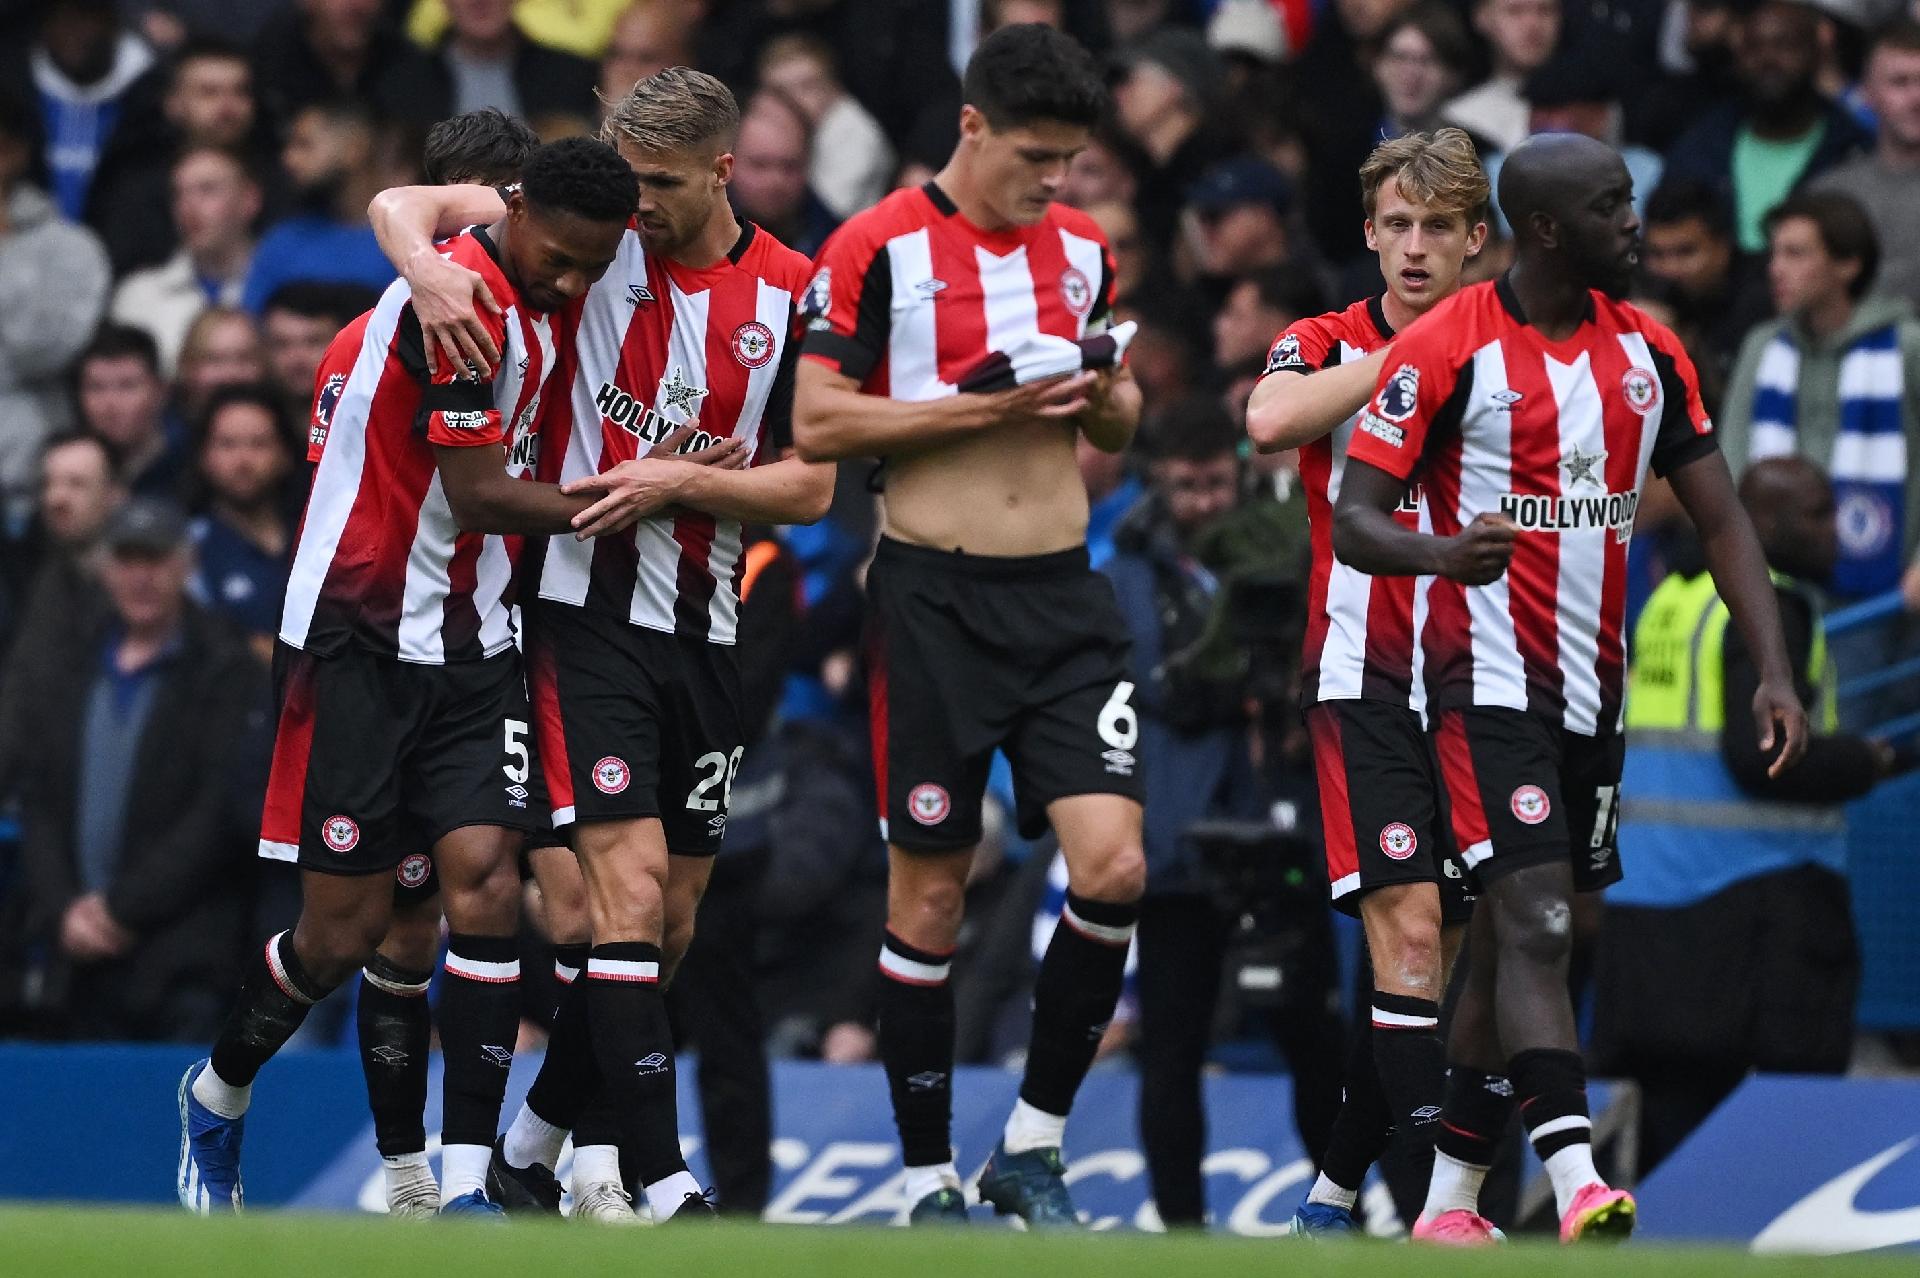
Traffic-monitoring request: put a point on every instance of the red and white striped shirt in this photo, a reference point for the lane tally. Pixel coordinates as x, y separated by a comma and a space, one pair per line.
1557, 436
652, 346
909, 296
380, 561
1360, 629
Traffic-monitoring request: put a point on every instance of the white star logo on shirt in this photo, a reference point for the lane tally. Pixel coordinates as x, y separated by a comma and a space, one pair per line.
682, 394
1579, 466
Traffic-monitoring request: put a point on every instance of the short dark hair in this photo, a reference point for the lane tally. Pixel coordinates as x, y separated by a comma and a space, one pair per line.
1901, 35
122, 341
68, 438
487, 146
1027, 73
1845, 231
198, 47
316, 299
1683, 199
254, 394
1192, 427
1443, 30
238, 159
583, 177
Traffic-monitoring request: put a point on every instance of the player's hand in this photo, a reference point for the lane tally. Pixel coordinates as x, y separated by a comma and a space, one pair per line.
628, 493
1054, 399
726, 454
89, 932
1779, 717
445, 297
1479, 553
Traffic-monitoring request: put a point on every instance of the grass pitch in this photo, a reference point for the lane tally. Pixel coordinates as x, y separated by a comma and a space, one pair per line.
145, 1243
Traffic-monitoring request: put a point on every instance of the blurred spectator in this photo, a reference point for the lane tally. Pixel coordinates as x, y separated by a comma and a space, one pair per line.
1887, 182
215, 205
1197, 731
891, 57
51, 580
1421, 64
80, 67
243, 535
1103, 170
852, 163
323, 50
1132, 258
1236, 219
204, 100
1696, 69
1731, 946
335, 165
301, 319
1520, 35
485, 61
1168, 83
580, 27
647, 39
1783, 131
123, 401
135, 879
223, 348
54, 279
1584, 98
1688, 247
1112, 490
1836, 380
770, 165
1249, 36
1340, 115
486, 147
1259, 306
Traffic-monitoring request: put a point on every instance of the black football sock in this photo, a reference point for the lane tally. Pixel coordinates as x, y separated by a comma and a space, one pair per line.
916, 1046
568, 961
395, 1027
479, 1022
274, 997
1362, 1127
1074, 997
1551, 1086
633, 1045
569, 1075
1413, 1073
1478, 1107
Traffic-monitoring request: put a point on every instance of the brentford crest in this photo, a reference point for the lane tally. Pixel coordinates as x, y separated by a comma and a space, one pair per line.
1075, 291
413, 871
1399, 841
340, 834
1640, 389
753, 344
610, 775
928, 803
1530, 805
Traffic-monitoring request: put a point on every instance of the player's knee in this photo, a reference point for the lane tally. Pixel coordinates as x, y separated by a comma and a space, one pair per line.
1537, 930
487, 905
333, 953
412, 941
928, 912
1119, 877
632, 907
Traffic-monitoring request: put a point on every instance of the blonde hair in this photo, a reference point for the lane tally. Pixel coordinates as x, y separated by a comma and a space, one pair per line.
1440, 170
678, 109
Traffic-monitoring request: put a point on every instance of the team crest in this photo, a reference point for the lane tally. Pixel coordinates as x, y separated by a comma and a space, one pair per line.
753, 344
610, 775
1530, 805
323, 407
1865, 523
1285, 354
340, 834
928, 803
1075, 291
413, 871
1640, 389
817, 301
1400, 396
1399, 841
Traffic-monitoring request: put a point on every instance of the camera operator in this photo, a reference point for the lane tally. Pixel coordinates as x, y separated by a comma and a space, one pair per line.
1195, 729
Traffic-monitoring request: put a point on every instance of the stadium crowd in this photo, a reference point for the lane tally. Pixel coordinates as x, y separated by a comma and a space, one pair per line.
184, 194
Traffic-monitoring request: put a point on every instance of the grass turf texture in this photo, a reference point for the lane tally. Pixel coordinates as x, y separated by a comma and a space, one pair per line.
144, 1243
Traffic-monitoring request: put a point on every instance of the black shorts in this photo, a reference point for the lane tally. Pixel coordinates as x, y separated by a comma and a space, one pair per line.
1522, 791
1380, 805
376, 759
417, 878
968, 654
635, 723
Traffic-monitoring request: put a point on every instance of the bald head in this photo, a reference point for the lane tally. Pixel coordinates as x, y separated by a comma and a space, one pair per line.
1791, 505
1570, 202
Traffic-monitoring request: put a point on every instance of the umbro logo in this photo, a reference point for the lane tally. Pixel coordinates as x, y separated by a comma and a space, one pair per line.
652, 1063
926, 1081
501, 1056
1425, 1114
927, 288
638, 293
1503, 401
1119, 762
389, 1055
525, 361
717, 825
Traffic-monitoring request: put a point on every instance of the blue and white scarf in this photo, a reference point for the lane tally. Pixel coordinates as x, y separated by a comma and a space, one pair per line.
1869, 451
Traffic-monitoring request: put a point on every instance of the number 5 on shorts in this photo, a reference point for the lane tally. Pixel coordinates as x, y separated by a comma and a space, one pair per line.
517, 749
